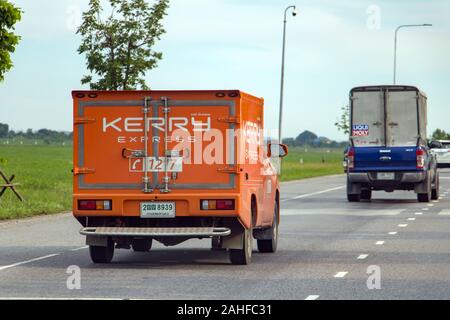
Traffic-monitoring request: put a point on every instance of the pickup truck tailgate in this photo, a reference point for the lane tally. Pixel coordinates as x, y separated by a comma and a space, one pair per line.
382, 159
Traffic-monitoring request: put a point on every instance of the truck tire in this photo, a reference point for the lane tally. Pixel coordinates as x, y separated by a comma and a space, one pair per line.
435, 190
353, 197
243, 256
102, 254
142, 245
270, 245
366, 194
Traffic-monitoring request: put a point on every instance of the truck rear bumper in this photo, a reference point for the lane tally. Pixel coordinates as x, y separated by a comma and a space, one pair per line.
401, 177
155, 232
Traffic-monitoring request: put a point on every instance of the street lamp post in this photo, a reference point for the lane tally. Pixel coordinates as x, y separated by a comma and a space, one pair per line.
294, 13
395, 43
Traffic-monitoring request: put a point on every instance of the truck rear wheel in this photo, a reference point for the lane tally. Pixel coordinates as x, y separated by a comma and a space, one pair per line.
435, 190
243, 256
102, 254
366, 194
354, 197
142, 245
270, 245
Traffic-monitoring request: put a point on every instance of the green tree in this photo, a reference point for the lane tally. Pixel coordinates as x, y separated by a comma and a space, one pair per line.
306, 137
119, 48
9, 16
343, 124
4, 130
440, 134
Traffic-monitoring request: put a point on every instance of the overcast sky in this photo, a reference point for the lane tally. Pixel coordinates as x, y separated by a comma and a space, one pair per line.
332, 46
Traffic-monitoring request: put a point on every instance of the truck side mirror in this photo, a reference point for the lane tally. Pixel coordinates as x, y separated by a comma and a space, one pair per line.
278, 150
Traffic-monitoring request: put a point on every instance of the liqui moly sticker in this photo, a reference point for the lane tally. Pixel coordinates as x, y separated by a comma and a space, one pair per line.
360, 130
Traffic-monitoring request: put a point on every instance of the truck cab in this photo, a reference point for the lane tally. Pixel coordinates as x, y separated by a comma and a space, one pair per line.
389, 149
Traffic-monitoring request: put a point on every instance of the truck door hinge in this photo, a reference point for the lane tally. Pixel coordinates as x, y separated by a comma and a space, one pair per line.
229, 170
81, 171
82, 120
229, 120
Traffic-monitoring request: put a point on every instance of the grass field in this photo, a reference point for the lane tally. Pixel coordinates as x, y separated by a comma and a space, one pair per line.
44, 174
314, 163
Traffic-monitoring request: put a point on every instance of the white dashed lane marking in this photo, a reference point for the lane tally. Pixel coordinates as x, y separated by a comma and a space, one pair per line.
312, 297
341, 274
412, 219
362, 256
393, 233
379, 243
402, 225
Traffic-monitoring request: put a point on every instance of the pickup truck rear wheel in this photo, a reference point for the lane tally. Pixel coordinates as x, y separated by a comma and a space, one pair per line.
435, 190
366, 194
270, 245
354, 197
243, 256
142, 245
102, 254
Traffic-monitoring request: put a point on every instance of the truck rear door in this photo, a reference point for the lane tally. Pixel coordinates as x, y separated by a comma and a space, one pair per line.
368, 128
385, 130
186, 143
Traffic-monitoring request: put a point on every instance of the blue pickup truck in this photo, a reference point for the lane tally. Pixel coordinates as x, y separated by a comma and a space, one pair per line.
389, 149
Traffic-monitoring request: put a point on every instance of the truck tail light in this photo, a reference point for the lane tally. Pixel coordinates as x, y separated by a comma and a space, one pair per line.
351, 158
420, 155
95, 205
217, 205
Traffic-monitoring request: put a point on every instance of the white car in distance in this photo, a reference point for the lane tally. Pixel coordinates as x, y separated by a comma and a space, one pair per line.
441, 148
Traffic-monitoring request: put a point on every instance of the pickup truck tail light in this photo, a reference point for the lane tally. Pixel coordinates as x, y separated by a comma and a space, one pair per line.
351, 158
212, 205
421, 156
95, 205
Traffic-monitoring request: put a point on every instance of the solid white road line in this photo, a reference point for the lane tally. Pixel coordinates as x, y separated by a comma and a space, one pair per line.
28, 261
312, 297
379, 243
79, 249
362, 256
341, 274
393, 233
313, 194
402, 225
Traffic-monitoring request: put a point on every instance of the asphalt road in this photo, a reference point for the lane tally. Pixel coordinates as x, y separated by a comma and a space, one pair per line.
326, 250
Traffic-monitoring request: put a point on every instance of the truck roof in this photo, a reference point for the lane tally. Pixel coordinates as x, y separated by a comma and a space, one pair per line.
217, 93
389, 87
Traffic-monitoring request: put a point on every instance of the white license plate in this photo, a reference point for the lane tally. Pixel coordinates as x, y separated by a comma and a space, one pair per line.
174, 164
386, 176
158, 210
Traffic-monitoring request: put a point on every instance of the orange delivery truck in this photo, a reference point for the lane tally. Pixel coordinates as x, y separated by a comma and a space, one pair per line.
170, 166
